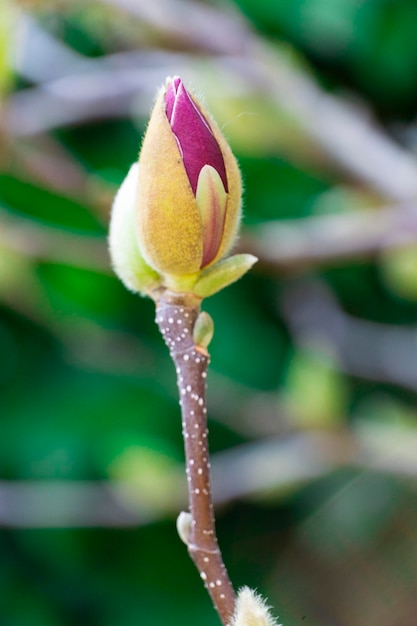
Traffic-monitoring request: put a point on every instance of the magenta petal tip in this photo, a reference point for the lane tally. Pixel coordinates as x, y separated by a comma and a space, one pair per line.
197, 144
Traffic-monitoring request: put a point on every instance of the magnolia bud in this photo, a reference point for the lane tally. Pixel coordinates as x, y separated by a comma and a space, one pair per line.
203, 330
252, 610
184, 525
176, 215
189, 187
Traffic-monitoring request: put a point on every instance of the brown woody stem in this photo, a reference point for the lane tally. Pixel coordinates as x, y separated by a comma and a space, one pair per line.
176, 315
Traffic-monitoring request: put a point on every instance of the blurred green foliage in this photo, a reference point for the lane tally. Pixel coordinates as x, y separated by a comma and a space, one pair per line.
315, 360
368, 46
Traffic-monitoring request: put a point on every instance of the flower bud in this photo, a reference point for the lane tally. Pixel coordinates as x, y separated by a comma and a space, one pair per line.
203, 330
184, 526
189, 187
252, 610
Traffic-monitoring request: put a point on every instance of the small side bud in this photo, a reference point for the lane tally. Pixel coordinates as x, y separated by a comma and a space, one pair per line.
222, 274
128, 262
252, 610
203, 330
184, 523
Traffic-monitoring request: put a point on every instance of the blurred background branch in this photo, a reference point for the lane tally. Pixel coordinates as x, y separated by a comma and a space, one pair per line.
328, 239
255, 471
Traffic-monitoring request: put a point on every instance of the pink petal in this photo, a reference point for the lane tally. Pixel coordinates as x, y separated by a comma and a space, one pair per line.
211, 201
197, 144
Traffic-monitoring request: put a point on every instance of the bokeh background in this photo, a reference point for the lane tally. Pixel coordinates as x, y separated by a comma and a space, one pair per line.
313, 381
